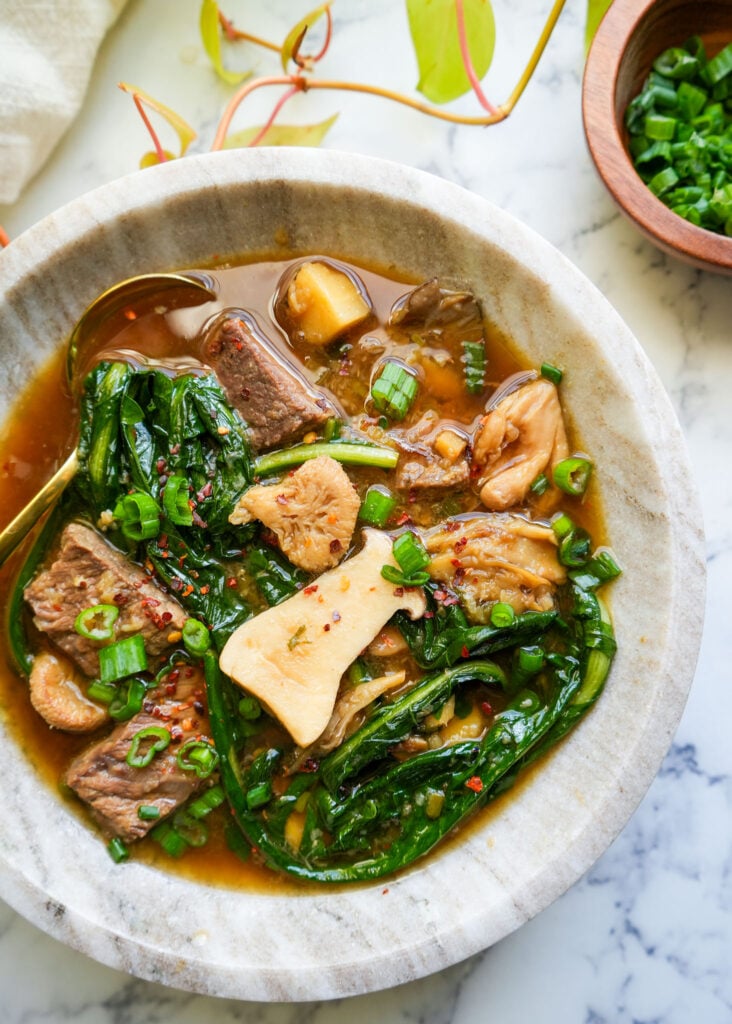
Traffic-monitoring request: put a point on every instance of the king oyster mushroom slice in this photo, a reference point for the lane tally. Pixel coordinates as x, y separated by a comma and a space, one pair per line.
292, 656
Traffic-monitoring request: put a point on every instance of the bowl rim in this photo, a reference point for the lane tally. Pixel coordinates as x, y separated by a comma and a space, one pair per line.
675, 235
50, 903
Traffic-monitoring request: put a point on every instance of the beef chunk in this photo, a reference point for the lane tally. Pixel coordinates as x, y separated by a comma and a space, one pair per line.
88, 571
431, 474
113, 790
277, 404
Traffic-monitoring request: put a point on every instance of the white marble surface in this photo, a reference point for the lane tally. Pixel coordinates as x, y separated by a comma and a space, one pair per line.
646, 936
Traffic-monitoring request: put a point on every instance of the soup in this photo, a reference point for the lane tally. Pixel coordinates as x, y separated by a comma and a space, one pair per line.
324, 584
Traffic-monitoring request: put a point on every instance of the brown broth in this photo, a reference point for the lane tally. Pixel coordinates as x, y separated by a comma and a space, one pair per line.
41, 431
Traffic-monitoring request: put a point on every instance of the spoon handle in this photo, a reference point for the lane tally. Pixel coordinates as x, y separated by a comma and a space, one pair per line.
26, 519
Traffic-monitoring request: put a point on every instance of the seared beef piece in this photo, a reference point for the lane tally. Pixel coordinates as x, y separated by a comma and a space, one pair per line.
114, 791
88, 571
430, 307
277, 404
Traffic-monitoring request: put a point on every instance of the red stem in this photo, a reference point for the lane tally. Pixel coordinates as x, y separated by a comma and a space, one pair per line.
467, 61
4, 237
161, 154
270, 120
240, 95
328, 33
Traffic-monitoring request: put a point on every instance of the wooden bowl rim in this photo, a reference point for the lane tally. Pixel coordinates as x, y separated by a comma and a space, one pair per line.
672, 233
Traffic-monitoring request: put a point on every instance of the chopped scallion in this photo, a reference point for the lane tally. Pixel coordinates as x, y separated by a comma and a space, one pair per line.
474, 361
552, 373
377, 506
394, 390
573, 475
196, 637
199, 756
148, 812
117, 850
502, 614
123, 658
176, 503
138, 515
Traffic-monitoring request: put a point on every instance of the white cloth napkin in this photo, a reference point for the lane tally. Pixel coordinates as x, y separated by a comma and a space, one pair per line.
47, 49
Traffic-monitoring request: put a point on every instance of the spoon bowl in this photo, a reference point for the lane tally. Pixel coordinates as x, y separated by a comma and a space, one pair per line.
119, 300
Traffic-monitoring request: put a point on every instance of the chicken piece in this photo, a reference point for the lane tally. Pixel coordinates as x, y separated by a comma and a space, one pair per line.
57, 694
324, 302
292, 657
498, 557
517, 441
313, 512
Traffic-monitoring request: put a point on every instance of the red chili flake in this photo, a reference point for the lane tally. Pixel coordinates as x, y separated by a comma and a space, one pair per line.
398, 591
231, 581
163, 540
326, 628
384, 892
336, 616
150, 602
245, 393
82, 584
459, 544
474, 471
205, 492
239, 345
160, 465
464, 652
120, 599
175, 449
176, 585
429, 615
187, 591
174, 675
403, 518
166, 616
170, 689
311, 589
475, 783
138, 583
198, 521
440, 595
486, 707
452, 526
456, 562
335, 545
130, 314
189, 672
459, 576
182, 559
205, 588
449, 600
310, 765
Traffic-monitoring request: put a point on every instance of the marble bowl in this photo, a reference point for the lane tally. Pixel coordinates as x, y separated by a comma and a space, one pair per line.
630, 37
530, 848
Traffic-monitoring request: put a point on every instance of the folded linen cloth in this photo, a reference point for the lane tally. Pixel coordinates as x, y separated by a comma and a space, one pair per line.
47, 50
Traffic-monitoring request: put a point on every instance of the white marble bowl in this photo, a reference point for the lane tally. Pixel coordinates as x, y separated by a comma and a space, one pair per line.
539, 841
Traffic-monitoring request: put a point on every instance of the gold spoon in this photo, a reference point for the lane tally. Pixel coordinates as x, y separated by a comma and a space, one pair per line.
125, 293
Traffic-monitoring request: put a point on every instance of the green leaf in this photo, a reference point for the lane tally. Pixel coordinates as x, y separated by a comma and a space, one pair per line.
595, 13
182, 129
282, 135
433, 25
211, 37
297, 33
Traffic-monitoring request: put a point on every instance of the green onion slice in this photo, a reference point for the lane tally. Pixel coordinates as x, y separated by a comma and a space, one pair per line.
128, 701
377, 506
474, 361
410, 553
160, 738
502, 614
259, 795
394, 390
176, 503
102, 692
117, 850
249, 708
196, 636
199, 756
139, 516
97, 622
148, 812
123, 658
573, 475
552, 373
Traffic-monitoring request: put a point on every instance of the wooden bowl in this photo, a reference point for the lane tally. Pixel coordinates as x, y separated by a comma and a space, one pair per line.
629, 39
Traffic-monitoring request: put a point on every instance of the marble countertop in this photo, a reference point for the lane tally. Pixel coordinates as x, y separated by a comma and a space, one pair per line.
646, 935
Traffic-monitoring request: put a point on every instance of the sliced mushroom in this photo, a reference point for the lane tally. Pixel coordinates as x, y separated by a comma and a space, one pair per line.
292, 656
516, 441
313, 512
56, 692
499, 557
348, 706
